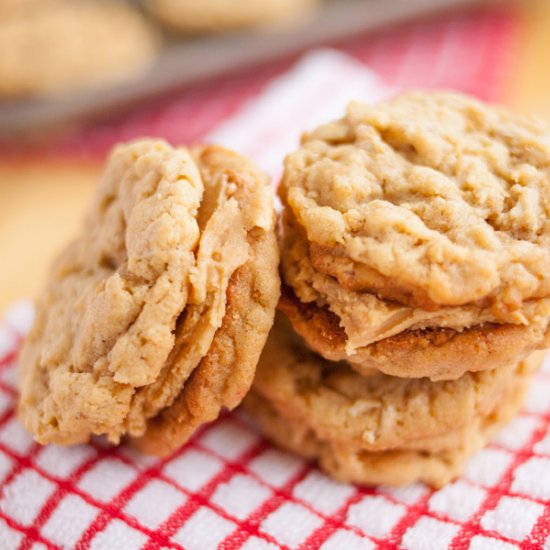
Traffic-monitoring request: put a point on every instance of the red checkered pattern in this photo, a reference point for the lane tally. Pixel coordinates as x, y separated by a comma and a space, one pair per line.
229, 487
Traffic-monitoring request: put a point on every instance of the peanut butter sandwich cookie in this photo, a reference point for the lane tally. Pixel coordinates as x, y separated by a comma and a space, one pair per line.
416, 237
153, 319
379, 429
62, 45
221, 15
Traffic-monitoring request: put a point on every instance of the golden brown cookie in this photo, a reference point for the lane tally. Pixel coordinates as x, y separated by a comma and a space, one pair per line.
376, 412
371, 333
433, 456
438, 354
433, 465
429, 200
154, 318
66, 45
220, 15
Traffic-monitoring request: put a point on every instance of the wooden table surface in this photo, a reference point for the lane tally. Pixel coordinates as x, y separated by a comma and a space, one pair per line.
41, 204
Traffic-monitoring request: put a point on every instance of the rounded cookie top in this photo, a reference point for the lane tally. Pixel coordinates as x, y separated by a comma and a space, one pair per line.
428, 199
42, 48
135, 303
219, 15
376, 412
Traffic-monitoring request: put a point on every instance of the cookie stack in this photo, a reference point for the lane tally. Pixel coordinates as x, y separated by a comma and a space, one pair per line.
416, 269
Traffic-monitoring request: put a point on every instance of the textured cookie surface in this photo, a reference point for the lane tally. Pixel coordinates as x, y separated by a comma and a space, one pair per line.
376, 412
428, 200
224, 374
366, 318
433, 455
435, 353
42, 48
219, 15
170, 248
396, 467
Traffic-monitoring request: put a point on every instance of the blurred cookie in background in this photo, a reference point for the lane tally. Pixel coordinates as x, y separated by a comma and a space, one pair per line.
219, 15
64, 45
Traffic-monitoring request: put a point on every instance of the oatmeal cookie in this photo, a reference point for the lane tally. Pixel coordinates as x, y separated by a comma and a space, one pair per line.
376, 412
400, 340
433, 465
437, 354
428, 200
42, 48
154, 318
220, 15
